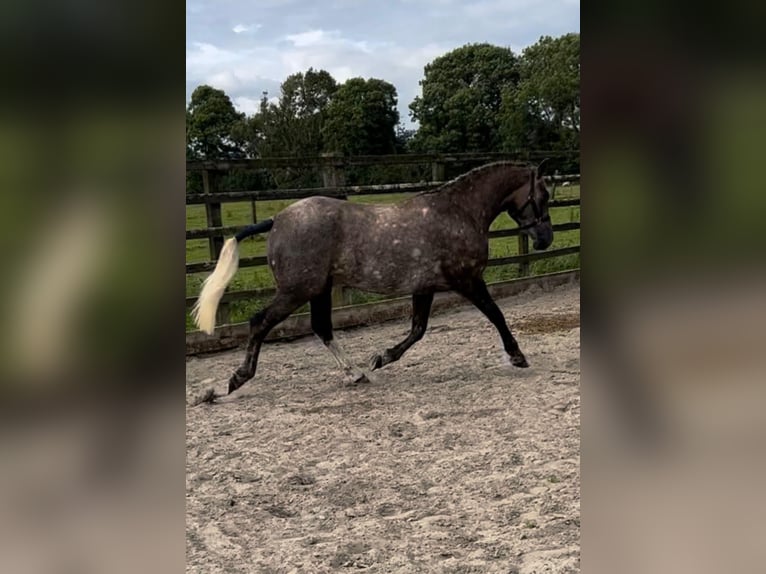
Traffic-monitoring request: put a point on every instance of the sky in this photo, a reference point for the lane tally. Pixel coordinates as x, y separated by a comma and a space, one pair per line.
246, 47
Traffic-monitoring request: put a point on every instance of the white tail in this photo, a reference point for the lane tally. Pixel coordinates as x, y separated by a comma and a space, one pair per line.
206, 306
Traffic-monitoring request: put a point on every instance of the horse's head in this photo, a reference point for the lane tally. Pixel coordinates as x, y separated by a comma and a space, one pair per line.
528, 207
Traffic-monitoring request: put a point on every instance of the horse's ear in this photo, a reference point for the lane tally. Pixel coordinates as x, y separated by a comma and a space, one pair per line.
540, 171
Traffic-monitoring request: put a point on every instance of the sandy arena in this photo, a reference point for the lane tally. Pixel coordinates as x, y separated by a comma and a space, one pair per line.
449, 461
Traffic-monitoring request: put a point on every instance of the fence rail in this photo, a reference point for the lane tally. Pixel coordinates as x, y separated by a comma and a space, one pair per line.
333, 177
366, 160
233, 229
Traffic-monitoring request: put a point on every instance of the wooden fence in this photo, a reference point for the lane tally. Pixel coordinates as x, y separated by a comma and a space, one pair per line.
332, 167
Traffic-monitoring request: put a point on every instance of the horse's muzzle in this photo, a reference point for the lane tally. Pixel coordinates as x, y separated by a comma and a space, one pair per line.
542, 240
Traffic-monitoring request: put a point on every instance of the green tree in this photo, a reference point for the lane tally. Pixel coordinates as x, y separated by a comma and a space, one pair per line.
461, 97
404, 138
210, 117
543, 111
293, 125
249, 133
362, 117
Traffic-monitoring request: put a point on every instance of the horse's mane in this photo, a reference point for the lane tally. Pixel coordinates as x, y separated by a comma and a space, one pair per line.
470, 175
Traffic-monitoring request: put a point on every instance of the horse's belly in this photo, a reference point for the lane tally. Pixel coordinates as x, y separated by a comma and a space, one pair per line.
392, 276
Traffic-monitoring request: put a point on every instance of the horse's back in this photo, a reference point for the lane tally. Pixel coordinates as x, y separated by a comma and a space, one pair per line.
394, 248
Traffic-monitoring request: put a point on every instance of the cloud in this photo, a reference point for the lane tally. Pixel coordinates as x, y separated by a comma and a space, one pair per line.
205, 56
388, 40
246, 104
242, 74
241, 28
323, 38
307, 39
204, 61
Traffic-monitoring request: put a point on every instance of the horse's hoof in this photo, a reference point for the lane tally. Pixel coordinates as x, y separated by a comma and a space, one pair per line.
376, 362
353, 379
519, 361
361, 379
237, 380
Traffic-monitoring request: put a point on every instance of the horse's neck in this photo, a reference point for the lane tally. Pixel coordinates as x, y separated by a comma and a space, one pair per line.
483, 195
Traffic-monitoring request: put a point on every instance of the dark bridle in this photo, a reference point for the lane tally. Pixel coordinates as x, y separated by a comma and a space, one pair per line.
530, 201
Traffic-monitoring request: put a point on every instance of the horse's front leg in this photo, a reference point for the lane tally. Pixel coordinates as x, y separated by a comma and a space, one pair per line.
421, 309
476, 292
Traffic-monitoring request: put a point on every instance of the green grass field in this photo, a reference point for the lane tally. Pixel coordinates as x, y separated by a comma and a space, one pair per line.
197, 250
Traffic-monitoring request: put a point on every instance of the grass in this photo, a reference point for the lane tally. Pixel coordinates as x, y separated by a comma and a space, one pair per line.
197, 250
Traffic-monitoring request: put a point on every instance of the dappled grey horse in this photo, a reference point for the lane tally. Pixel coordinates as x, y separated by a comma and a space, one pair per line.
434, 241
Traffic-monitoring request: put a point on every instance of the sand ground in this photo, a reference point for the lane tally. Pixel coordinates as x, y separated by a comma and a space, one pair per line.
448, 461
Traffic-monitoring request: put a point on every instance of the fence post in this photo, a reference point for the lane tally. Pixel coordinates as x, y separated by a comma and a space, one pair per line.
523, 250
333, 175
437, 171
214, 219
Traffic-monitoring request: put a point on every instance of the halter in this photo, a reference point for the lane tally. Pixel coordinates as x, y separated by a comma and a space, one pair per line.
539, 217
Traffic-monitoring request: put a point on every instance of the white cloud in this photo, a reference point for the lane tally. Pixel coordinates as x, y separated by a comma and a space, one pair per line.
308, 39
206, 61
342, 73
241, 28
246, 104
349, 38
207, 56
318, 38
243, 75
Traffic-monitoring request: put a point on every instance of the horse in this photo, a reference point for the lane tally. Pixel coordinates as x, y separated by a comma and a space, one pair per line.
434, 241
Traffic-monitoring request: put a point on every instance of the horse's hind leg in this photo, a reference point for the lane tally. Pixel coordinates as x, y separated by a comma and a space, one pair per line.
421, 309
321, 324
260, 325
476, 292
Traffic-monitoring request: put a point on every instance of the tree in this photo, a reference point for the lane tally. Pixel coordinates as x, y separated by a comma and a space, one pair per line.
307, 95
543, 110
361, 118
293, 125
210, 117
461, 98
404, 138
249, 133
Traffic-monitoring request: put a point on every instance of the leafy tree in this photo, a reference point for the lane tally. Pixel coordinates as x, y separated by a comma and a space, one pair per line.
361, 118
210, 117
293, 125
543, 110
404, 138
307, 95
249, 133
461, 98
